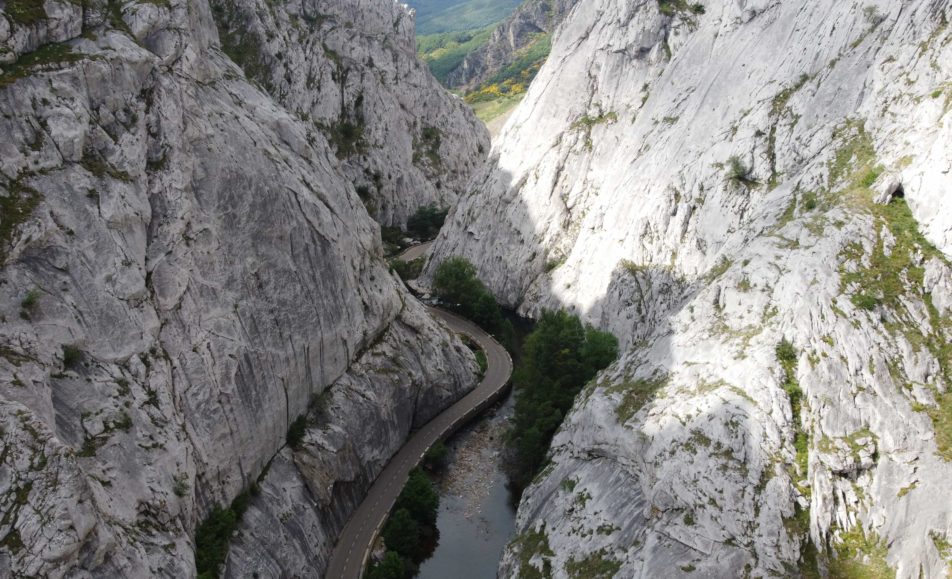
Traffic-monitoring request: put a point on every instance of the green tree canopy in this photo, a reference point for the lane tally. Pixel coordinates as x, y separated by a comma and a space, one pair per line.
419, 498
558, 358
402, 534
393, 566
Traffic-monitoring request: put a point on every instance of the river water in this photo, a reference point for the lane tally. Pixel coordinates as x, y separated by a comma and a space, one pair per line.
476, 518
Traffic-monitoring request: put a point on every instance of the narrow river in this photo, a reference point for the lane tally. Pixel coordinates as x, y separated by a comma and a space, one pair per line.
476, 519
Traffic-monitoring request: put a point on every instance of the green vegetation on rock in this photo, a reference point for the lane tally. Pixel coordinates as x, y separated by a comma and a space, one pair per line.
26, 12
213, 535
531, 545
558, 358
635, 394
860, 555
893, 274
15, 208
597, 565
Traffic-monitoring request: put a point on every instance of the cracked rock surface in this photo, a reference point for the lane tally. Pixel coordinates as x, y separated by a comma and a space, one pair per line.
187, 268
705, 186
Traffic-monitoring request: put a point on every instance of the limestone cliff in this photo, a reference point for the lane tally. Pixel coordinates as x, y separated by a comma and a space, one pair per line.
754, 196
350, 69
187, 268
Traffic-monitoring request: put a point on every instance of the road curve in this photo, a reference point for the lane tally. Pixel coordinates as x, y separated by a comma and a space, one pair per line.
416, 251
356, 540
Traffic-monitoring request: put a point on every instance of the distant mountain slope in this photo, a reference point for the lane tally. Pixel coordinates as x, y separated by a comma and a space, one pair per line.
440, 16
494, 65
505, 54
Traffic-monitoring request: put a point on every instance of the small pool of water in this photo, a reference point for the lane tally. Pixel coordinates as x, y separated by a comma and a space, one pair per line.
476, 518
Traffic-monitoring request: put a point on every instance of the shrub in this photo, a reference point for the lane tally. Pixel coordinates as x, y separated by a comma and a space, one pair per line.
436, 457
72, 356
180, 485
213, 535
31, 299
739, 173
296, 432
419, 498
483, 363
456, 283
408, 270
426, 223
402, 534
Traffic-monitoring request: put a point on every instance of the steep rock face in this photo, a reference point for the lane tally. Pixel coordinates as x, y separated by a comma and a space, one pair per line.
532, 19
306, 497
185, 268
350, 68
703, 186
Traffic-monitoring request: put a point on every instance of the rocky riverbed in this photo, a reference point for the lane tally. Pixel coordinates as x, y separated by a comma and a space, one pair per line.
476, 517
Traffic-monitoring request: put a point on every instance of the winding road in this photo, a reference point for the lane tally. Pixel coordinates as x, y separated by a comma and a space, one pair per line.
352, 551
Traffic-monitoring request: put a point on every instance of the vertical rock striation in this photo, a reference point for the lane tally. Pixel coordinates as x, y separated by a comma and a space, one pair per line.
186, 269
350, 69
754, 198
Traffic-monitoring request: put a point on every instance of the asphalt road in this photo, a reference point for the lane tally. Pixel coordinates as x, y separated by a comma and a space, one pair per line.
416, 251
356, 540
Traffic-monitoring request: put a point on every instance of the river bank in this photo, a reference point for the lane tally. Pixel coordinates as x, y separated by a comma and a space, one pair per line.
476, 518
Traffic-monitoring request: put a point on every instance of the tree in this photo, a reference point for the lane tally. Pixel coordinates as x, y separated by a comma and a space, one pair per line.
427, 221
559, 357
393, 566
402, 534
456, 282
419, 498
600, 350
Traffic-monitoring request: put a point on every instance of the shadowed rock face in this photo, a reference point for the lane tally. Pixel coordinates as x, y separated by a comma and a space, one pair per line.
350, 70
702, 185
186, 269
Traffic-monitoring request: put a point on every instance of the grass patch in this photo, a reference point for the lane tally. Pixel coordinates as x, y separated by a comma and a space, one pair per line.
25, 12
597, 565
46, 57
635, 394
860, 555
530, 545
490, 110
15, 209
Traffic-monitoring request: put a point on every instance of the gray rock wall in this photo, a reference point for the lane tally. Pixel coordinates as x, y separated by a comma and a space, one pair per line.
350, 70
186, 269
612, 192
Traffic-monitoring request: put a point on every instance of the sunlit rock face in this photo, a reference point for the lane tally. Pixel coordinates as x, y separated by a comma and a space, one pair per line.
349, 68
704, 185
187, 268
